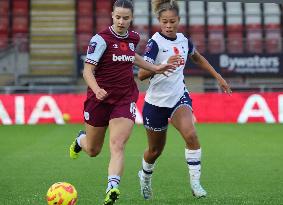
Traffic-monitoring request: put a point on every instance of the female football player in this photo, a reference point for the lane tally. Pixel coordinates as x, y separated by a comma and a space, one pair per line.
112, 93
167, 97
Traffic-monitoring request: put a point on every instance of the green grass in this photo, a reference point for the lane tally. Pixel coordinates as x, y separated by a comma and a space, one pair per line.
242, 164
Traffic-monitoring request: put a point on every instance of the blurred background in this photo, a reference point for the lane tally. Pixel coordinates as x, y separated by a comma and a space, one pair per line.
43, 43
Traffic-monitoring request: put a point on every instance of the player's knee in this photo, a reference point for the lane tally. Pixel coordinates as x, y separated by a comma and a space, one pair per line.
117, 146
191, 136
93, 152
155, 152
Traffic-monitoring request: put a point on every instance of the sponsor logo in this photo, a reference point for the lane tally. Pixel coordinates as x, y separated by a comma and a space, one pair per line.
250, 64
115, 45
123, 58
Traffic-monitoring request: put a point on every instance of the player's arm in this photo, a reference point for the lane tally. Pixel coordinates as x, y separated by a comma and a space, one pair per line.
88, 75
156, 69
198, 59
144, 74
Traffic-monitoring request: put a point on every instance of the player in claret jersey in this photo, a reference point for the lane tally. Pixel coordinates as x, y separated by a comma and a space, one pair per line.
167, 97
112, 93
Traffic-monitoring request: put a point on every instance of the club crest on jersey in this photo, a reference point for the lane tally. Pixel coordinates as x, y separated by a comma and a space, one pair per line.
132, 46
91, 47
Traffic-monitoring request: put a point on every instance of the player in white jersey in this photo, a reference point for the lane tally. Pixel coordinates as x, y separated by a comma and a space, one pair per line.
167, 97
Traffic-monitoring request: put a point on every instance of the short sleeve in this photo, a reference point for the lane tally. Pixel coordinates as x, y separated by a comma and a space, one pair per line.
95, 49
151, 51
191, 47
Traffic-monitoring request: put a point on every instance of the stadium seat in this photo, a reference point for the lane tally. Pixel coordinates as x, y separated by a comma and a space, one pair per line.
235, 40
20, 7
85, 8
272, 28
83, 41
216, 42
103, 7
3, 41
103, 22
4, 22
22, 40
4, 7
143, 32
199, 41
85, 24
20, 24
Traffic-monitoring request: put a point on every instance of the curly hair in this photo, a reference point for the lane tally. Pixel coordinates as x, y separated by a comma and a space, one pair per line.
159, 6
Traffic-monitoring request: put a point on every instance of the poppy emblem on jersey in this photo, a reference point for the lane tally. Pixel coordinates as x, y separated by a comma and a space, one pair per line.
176, 50
115, 45
91, 48
123, 46
132, 46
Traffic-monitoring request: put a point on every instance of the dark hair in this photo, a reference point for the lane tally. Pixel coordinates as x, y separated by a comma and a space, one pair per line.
124, 4
164, 5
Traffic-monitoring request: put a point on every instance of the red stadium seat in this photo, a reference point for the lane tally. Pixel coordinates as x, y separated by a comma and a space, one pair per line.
85, 24
4, 22
103, 7
254, 42
199, 41
216, 43
21, 7
143, 32
4, 7
235, 42
20, 24
273, 41
3, 41
235, 38
102, 22
22, 40
85, 8
82, 42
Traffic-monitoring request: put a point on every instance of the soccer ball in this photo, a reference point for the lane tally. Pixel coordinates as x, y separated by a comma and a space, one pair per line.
62, 193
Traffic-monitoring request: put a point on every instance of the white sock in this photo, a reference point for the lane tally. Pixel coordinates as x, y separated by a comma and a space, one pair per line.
79, 139
113, 182
193, 158
147, 169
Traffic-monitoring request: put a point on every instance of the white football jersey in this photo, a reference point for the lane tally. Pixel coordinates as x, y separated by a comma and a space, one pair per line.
166, 91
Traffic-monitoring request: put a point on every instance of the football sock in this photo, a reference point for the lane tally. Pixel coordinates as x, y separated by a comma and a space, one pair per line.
147, 169
113, 182
193, 158
82, 135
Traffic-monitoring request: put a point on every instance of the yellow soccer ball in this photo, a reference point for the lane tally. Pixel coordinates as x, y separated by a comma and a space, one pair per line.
62, 193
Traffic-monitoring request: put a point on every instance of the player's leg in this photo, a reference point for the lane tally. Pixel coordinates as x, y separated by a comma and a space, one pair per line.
156, 122
156, 143
96, 116
182, 120
119, 130
91, 141
121, 123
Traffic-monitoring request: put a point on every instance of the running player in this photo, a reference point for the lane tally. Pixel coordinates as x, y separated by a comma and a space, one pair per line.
167, 97
112, 93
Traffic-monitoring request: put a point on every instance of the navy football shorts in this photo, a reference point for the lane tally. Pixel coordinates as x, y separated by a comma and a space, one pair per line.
156, 118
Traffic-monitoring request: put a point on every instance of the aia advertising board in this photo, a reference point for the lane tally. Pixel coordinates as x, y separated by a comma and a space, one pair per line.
208, 107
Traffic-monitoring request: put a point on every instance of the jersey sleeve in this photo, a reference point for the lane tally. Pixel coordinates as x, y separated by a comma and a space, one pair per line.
191, 47
96, 48
151, 51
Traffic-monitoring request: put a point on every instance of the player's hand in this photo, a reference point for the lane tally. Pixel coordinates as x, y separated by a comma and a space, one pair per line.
224, 86
100, 94
175, 60
163, 68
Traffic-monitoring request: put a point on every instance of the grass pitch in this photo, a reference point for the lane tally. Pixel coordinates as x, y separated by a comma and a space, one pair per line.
241, 164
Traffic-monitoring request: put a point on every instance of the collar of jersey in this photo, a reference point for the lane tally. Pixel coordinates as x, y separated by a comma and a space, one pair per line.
166, 37
116, 34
